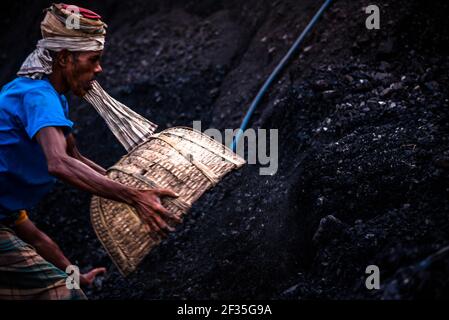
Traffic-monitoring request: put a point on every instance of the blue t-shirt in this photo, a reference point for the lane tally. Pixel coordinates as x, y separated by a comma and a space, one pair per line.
26, 106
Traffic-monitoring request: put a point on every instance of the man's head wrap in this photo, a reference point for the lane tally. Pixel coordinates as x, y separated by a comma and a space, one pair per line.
86, 33
64, 27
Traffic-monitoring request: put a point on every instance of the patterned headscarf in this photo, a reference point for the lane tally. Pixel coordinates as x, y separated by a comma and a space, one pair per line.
64, 27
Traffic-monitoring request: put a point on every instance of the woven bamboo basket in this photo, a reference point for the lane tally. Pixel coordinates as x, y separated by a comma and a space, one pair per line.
181, 159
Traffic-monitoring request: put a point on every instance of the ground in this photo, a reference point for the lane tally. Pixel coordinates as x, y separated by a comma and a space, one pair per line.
362, 116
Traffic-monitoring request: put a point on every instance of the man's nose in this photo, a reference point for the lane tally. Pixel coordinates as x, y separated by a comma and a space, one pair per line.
98, 69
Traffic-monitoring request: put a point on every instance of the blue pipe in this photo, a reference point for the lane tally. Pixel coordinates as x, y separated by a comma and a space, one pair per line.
276, 71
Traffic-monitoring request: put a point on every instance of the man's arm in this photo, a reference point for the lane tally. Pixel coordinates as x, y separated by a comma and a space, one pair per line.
78, 174
72, 150
50, 251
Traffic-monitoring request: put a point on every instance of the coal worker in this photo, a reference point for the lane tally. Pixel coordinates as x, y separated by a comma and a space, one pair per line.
37, 146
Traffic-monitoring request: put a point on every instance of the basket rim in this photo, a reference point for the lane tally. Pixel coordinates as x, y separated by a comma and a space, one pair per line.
243, 161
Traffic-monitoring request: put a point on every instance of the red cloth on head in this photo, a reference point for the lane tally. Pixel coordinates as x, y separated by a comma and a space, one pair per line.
86, 13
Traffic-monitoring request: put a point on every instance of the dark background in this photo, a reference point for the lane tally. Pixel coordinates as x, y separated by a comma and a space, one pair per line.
362, 116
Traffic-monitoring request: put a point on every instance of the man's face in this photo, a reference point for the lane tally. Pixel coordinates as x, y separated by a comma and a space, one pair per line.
81, 70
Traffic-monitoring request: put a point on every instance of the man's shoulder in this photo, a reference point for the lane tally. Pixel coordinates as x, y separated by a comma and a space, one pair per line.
29, 85
24, 85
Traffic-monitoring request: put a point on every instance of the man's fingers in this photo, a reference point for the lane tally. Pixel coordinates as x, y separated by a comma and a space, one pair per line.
91, 275
150, 222
155, 222
159, 230
155, 232
161, 209
162, 224
175, 218
95, 272
164, 211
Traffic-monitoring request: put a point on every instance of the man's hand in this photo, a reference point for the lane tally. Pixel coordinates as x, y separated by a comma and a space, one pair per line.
149, 207
86, 279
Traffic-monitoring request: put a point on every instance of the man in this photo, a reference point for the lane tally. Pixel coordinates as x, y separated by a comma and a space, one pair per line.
36, 145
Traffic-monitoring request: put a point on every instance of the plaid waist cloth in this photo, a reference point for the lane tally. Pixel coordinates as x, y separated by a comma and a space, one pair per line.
25, 275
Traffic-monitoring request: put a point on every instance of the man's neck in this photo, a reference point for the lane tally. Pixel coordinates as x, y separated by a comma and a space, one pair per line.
58, 82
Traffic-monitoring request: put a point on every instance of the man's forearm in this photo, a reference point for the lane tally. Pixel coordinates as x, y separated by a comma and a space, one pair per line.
43, 244
93, 165
51, 252
84, 177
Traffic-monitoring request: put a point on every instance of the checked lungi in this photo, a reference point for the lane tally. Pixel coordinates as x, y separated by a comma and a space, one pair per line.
25, 275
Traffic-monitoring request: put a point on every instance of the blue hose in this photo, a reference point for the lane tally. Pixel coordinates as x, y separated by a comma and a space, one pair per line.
276, 71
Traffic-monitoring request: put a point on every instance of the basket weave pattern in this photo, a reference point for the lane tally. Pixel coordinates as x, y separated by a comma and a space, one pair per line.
181, 159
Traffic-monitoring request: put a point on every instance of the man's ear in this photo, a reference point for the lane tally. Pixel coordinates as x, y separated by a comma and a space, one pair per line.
62, 58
